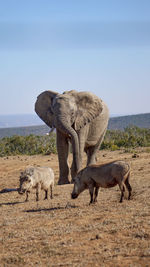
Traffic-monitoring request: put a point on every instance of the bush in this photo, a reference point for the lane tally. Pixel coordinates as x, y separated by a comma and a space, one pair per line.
27, 145
131, 137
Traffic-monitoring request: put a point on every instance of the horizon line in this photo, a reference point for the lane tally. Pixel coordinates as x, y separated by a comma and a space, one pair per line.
111, 115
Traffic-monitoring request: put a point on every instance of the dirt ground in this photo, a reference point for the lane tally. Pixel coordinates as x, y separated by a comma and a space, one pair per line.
66, 232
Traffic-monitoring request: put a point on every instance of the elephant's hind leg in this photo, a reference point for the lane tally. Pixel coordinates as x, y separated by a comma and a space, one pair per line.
91, 155
91, 151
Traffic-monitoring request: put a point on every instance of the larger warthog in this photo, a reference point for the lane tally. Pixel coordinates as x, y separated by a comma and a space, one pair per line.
38, 178
106, 176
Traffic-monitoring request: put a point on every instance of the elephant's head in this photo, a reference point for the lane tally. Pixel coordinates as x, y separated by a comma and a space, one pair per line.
68, 112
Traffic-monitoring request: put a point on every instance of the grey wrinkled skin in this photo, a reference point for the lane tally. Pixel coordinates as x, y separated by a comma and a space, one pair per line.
80, 118
107, 175
39, 178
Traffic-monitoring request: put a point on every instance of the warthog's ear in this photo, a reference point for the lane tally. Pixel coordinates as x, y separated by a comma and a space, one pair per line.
73, 179
21, 174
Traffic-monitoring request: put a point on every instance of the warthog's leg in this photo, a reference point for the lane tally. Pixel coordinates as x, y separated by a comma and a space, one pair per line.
91, 155
128, 186
96, 194
38, 188
46, 194
122, 189
91, 191
51, 191
27, 195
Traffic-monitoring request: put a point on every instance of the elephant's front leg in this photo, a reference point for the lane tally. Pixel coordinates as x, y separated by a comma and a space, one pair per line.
63, 151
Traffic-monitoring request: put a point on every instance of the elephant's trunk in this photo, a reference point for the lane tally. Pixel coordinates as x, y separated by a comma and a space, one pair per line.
65, 127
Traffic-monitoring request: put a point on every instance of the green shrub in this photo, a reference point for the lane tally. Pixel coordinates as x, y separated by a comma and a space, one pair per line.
28, 145
131, 137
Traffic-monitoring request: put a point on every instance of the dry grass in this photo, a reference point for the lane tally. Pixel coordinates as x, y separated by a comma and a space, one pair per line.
65, 232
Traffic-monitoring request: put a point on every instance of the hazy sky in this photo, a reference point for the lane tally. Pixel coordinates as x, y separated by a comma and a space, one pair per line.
102, 46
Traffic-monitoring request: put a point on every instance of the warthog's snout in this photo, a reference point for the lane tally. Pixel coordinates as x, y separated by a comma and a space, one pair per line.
74, 195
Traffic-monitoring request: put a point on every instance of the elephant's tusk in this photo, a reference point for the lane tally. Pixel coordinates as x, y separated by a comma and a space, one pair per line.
52, 129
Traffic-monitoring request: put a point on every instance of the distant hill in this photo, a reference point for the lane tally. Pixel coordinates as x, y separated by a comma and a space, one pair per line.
20, 120
115, 123
140, 120
24, 131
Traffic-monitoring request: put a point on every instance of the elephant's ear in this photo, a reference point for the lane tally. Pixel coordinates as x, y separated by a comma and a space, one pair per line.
43, 107
89, 106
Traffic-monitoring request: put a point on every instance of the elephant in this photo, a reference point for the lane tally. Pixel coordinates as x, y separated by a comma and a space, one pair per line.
80, 118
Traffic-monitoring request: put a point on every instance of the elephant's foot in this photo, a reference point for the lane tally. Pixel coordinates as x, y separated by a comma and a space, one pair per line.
63, 181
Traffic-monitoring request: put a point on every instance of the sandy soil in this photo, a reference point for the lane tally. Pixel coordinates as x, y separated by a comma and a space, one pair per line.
66, 232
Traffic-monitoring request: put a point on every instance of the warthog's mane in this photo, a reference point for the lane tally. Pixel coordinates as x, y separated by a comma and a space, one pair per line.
106, 164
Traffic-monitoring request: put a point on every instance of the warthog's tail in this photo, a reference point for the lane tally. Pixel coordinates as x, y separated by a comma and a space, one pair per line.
127, 184
127, 175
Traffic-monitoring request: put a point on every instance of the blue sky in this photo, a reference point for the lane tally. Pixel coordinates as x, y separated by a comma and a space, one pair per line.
102, 46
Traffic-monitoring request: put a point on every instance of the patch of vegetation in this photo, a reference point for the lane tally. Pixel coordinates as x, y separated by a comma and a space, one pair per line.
128, 139
27, 145
131, 137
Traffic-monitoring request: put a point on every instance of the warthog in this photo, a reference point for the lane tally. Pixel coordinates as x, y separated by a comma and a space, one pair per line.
38, 178
106, 176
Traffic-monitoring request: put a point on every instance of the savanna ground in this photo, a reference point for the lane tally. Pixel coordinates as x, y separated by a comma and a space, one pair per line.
66, 232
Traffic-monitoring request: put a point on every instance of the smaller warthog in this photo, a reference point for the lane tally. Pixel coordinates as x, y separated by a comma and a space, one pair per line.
106, 176
38, 178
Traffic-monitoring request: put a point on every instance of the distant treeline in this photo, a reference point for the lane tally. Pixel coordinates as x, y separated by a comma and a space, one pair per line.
131, 137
